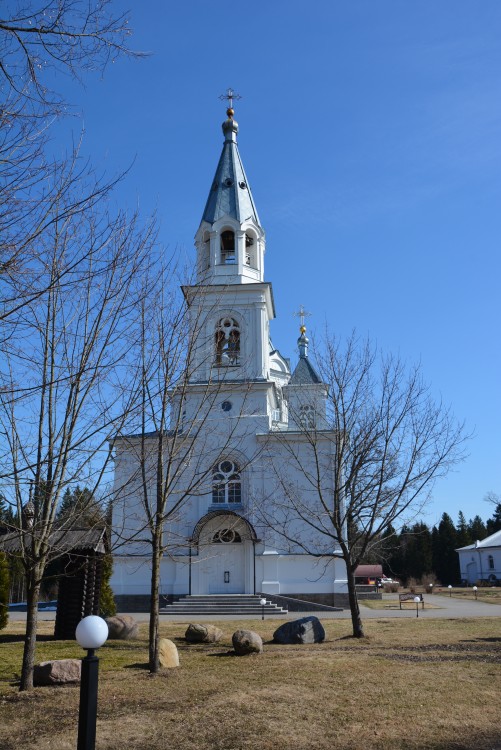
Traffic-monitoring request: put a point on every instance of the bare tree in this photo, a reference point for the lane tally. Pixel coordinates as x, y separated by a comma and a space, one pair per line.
38, 42
65, 36
171, 457
62, 395
371, 465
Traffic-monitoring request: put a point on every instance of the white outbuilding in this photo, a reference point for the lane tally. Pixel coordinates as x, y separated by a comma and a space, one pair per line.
481, 561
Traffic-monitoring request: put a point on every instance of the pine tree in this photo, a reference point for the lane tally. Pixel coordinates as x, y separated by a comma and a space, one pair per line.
494, 523
7, 517
4, 591
417, 554
391, 553
446, 562
463, 536
80, 508
107, 606
477, 529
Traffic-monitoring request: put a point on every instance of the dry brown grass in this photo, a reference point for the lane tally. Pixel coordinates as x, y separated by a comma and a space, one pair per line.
411, 683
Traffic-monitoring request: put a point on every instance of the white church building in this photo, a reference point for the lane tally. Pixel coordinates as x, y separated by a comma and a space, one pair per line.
258, 418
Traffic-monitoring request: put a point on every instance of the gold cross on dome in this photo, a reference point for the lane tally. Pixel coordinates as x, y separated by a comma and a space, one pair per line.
302, 314
230, 95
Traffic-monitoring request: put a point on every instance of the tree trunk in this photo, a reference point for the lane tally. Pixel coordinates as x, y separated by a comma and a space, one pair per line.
33, 594
154, 605
356, 620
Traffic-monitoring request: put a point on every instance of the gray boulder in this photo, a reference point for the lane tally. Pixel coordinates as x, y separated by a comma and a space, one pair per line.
198, 633
57, 672
247, 642
304, 630
122, 628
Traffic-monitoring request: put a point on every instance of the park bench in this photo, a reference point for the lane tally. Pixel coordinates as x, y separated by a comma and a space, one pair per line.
410, 598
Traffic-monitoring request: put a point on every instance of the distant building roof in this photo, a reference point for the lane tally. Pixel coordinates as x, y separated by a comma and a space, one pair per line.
61, 540
369, 571
494, 540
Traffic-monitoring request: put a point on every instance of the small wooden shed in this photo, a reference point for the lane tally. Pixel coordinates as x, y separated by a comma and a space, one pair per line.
81, 552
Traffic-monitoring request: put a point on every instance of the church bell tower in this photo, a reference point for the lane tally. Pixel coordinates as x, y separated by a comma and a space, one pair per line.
230, 241
231, 304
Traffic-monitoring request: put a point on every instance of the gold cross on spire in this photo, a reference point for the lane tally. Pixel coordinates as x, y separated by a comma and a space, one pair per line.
302, 314
230, 95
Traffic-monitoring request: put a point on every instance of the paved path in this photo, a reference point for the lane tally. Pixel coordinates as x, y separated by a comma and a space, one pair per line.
444, 607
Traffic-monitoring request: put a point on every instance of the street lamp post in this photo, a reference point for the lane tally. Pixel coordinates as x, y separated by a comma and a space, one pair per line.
417, 600
431, 588
91, 633
450, 590
262, 602
475, 590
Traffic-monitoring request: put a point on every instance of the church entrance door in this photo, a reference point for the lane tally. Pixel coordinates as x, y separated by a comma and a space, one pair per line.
472, 572
225, 562
225, 569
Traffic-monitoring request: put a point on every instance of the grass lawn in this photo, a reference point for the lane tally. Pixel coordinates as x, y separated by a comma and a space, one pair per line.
411, 683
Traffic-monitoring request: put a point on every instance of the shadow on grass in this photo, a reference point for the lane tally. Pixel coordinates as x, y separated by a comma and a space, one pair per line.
225, 653
19, 638
138, 665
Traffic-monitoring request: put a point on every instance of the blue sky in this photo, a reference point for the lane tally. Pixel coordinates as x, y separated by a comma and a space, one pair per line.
370, 132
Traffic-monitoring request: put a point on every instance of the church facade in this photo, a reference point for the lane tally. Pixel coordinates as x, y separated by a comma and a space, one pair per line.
251, 420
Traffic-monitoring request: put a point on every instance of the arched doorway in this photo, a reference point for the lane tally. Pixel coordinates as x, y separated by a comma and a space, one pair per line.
225, 560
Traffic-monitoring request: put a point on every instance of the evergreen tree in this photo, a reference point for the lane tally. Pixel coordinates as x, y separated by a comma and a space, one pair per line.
446, 562
463, 536
7, 517
107, 606
416, 551
477, 529
4, 591
391, 553
494, 523
80, 508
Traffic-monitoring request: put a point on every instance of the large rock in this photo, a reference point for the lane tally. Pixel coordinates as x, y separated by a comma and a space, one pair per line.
57, 672
304, 630
247, 642
122, 628
197, 633
167, 654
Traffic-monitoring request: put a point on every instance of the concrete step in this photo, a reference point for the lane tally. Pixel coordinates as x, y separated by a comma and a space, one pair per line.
221, 604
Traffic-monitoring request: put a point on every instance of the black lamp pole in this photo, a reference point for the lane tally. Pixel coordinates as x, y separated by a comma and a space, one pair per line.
88, 702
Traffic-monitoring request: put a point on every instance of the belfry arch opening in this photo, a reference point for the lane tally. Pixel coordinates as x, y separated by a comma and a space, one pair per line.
228, 250
250, 249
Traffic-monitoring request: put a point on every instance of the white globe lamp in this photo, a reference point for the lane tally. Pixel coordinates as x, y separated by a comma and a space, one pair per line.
92, 632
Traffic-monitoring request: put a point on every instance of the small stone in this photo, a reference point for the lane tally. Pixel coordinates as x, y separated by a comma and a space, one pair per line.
57, 672
304, 630
167, 654
247, 642
197, 633
122, 628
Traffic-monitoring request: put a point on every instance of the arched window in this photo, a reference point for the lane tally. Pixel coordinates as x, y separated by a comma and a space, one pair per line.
205, 256
228, 247
226, 483
491, 562
250, 250
307, 417
227, 342
226, 536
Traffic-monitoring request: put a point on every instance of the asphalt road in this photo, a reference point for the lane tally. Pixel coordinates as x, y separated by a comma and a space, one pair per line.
440, 607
